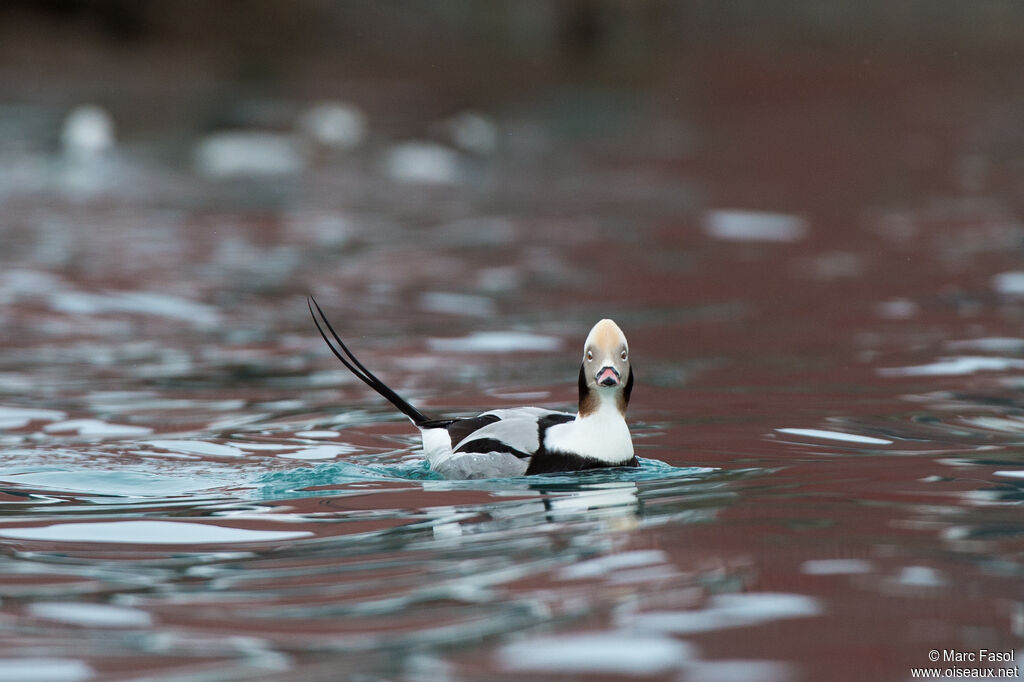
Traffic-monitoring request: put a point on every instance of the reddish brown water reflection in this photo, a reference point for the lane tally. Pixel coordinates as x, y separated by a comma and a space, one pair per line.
851, 559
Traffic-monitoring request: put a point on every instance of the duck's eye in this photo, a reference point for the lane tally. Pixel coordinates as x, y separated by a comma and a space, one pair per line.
590, 356
623, 355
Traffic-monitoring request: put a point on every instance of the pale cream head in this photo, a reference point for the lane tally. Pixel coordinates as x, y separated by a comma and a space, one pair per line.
606, 356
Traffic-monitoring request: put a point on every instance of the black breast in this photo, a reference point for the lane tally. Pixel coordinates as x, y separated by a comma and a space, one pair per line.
548, 462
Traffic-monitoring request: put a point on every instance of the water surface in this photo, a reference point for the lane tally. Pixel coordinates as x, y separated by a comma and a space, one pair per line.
827, 336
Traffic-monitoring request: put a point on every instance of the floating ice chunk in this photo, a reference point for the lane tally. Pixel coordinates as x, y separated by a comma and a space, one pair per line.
317, 434
16, 417
141, 302
765, 606
96, 427
496, 342
324, 228
613, 562
761, 226
318, 452
334, 124
835, 567
726, 611
14, 382
741, 671
197, 447
422, 162
16, 283
993, 344
1009, 283
91, 615
955, 366
921, 576
612, 653
896, 309
46, 670
643, 576
266, 446
473, 132
1017, 473
249, 154
836, 435
1006, 424
457, 304
327, 377
88, 132
147, 532
500, 279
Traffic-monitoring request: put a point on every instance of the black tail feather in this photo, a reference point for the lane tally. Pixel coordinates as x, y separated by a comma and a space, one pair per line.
352, 363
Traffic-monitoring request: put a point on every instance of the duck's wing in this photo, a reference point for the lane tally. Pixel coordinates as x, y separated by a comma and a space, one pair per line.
515, 431
454, 431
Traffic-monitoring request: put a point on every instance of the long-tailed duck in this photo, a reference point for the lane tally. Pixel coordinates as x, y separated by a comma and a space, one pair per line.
525, 440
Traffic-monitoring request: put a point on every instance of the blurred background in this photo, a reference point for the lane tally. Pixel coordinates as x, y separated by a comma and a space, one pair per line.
212, 150
807, 218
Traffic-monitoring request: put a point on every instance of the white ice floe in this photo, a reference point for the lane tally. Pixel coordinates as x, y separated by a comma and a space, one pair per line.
334, 124
147, 532
197, 447
955, 366
836, 435
317, 434
991, 344
742, 671
921, 576
422, 163
457, 304
726, 611
46, 669
266, 446
1015, 473
91, 615
249, 153
496, 342
87, 132
896, 309
318, 452
610, 653
473, 132
1009, 283
140, 302
836, 567
96, 427
759, 226
1005, 424
604, 565
17, 417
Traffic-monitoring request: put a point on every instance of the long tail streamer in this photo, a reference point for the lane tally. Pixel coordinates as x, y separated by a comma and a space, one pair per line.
350, 361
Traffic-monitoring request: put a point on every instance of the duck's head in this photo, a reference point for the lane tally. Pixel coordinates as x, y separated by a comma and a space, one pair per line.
606, 373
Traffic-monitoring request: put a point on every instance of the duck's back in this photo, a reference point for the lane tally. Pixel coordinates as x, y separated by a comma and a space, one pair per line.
495, 444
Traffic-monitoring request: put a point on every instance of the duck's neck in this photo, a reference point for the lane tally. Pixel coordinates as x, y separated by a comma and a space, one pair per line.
598, 402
